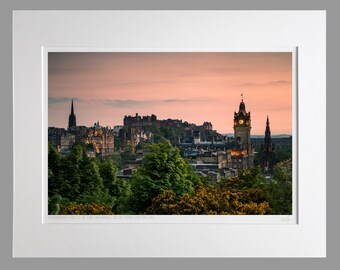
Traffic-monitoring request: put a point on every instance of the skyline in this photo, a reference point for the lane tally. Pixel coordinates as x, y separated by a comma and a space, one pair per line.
194, 87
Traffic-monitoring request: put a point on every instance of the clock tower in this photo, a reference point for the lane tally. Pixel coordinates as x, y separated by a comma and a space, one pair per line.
242, 153
242, 125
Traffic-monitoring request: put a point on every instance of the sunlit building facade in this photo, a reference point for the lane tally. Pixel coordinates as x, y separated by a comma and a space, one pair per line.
102, 139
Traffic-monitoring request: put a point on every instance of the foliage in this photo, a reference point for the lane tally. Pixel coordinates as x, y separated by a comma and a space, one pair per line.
164, 184
163, 169
54, 166
258, 158
91, 182
117, 143
78, 178
280, 194
207, 200
54, 204
127, 154
75, 208
252, 177
108, 172
282, 153
142, 146
117, 160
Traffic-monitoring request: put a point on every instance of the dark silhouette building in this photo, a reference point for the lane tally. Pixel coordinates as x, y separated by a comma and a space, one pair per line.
72, 118
267, 151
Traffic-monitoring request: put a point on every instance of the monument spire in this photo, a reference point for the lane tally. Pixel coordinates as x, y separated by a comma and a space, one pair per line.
72, 111
72, 118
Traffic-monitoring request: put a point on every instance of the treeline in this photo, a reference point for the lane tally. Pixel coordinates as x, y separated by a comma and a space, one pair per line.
164, 184
282, 153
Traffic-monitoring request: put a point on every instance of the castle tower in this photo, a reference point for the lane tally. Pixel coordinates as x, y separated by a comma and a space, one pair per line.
72, 118
267, 151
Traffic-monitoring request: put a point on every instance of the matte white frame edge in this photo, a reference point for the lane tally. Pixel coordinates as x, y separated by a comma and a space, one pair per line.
35, 29
232, 219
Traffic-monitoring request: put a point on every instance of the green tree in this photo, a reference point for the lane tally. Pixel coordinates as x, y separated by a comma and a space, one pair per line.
117, 187
118, 143
163, 169
127, 154
91, 181
283, 153
252, 177
55, 203
108, 172
54, 169
117, 160
280, 198
72, 173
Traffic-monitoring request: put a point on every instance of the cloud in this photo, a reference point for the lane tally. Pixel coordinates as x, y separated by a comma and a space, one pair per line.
248, 84
264, 84
174, 100
279, 82
54, 100
130, 103
121, 103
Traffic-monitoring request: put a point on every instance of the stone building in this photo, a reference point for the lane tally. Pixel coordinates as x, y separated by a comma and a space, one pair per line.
102, 139
221, 158
54, 135
66, 142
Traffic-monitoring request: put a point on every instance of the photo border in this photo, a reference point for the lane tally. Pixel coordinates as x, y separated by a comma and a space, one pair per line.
33, 30
232, 219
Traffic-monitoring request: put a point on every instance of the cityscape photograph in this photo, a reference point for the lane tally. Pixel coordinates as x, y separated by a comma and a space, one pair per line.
170, 133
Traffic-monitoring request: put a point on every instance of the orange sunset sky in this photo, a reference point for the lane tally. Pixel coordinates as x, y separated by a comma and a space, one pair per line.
194, 87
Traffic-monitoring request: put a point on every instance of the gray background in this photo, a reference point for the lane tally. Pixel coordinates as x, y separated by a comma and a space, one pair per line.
6, 175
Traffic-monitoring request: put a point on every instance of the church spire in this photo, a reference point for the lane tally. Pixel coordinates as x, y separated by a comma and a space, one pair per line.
72, 111
72, 118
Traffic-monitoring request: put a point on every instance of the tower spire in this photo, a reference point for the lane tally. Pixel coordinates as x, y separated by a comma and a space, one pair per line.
267, 151
267, 124
72, 118
267, 133
72, 111
242, 107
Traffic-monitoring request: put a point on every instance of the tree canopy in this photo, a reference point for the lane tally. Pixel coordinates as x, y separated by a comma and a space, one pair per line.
165, 184
162, 169
208, 200
77, 178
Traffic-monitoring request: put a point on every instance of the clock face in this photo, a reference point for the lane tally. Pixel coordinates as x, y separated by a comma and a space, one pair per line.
240, 122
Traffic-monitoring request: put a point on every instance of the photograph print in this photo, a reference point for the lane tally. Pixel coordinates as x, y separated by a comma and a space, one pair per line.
170, 133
